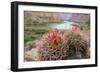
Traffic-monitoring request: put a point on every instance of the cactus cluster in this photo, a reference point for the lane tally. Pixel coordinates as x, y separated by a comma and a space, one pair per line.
58, 45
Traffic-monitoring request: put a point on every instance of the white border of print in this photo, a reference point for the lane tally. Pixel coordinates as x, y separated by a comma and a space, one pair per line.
22, 64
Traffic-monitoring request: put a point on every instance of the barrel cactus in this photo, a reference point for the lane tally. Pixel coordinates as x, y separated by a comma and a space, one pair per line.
78, 46
52, 47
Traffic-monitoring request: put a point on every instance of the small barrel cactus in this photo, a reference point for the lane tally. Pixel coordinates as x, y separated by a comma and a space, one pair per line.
78, 47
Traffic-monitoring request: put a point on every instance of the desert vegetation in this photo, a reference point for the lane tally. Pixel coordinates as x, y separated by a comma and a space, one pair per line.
43, 43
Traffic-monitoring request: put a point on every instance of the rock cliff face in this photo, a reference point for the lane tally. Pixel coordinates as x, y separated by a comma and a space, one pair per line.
81, 18
37, 18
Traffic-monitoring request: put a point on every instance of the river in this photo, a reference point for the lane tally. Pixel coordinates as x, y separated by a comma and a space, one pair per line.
61, 26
